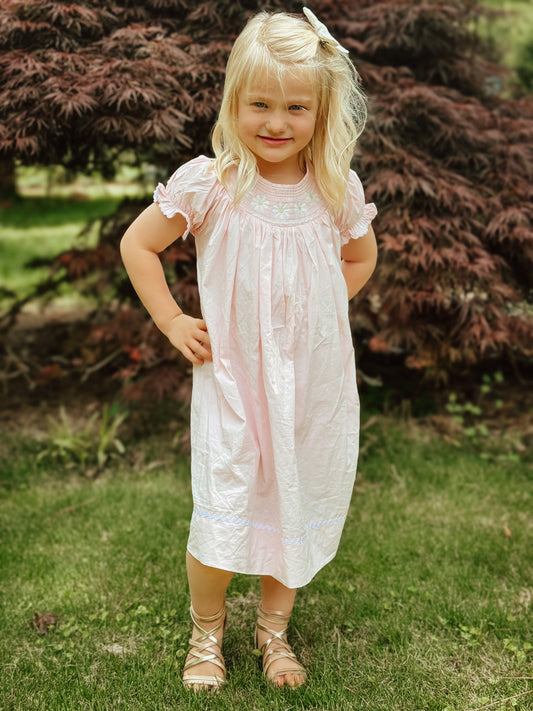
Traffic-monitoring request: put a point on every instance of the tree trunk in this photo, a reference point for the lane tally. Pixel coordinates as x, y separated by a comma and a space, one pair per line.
8, 188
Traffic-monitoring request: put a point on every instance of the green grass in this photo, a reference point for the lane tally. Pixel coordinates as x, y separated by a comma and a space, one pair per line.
426, 606
39, 228
47, 219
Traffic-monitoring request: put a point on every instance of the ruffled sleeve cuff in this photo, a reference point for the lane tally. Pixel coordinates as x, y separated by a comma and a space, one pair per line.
361, 227
356, 216
163, 198
188, 192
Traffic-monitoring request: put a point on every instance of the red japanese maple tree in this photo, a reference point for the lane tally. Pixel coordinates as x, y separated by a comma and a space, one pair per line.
448, 163
450, 167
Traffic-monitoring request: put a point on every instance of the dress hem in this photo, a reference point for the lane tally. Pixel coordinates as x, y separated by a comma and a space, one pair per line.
237, 570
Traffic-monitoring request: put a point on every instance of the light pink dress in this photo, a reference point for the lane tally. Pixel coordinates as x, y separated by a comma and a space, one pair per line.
275, 416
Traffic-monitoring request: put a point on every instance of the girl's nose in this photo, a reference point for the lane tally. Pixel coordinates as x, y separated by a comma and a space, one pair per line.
276, 123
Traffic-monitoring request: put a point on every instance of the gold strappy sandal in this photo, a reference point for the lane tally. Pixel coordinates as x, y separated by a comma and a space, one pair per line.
205, 649
276, 647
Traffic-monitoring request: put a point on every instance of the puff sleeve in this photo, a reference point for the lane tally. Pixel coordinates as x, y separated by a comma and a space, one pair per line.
188, 192
356, 216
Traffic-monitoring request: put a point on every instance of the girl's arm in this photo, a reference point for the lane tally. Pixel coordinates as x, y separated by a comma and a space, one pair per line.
359, 258
144, 239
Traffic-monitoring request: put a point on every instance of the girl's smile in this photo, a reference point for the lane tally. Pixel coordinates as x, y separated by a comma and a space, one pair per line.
276, 122
274, 141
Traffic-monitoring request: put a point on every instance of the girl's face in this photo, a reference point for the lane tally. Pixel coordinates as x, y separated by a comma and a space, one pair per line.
276, 122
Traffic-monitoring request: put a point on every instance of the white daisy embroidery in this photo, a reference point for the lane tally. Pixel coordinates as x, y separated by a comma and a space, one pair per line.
311, 197
281, 209
260, 202
300, 208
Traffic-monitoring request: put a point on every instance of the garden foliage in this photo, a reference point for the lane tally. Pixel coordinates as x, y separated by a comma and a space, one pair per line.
448, 163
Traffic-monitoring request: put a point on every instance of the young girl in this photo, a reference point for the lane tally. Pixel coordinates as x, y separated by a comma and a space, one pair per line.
283, 241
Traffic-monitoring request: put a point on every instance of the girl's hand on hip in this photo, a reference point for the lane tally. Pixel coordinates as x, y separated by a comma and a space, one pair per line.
189, 335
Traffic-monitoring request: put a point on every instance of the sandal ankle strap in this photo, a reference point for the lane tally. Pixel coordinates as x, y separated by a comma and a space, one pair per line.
275, 617
213, 618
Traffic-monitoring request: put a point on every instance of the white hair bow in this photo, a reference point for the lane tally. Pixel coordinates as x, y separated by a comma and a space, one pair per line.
322, 31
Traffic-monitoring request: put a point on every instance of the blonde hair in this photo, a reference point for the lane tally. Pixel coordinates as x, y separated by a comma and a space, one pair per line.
271, 45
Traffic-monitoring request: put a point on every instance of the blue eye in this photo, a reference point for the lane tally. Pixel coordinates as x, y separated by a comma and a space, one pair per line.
296, 107
259, 104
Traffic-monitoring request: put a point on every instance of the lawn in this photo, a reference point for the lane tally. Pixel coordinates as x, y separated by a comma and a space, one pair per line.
510, 30
49, 219
426, 606
39, 229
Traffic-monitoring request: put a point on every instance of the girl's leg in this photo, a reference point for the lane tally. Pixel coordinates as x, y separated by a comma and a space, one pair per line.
277, 601
207, 588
